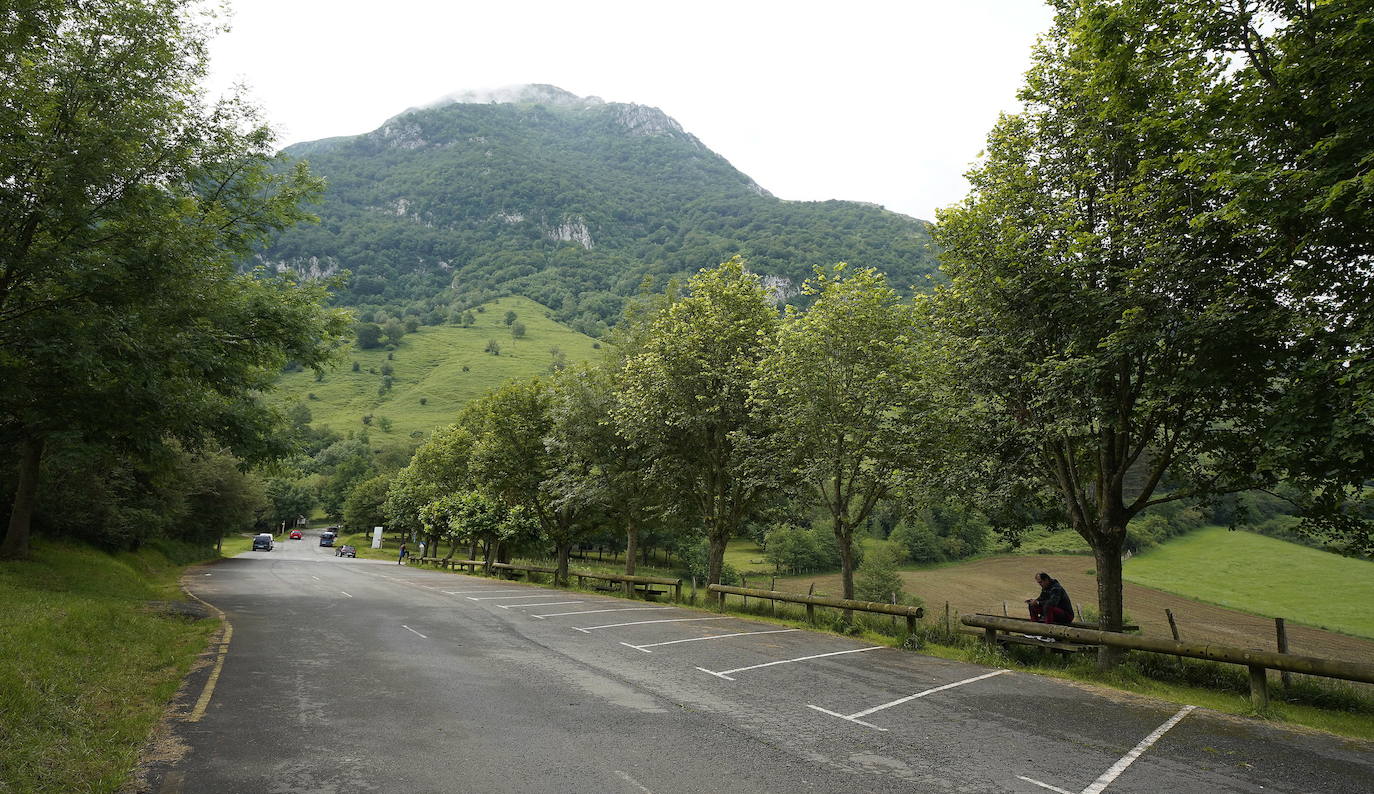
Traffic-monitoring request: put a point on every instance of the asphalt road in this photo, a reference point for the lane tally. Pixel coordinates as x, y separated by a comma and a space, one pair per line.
343, 675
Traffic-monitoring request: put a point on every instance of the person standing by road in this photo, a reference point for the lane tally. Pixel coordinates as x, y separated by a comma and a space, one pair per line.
405, 552
1053, 605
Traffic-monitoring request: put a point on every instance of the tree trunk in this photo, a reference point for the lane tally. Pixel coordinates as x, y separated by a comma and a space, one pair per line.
564, 550
16, 544
715, 559
1107, 555
472, 550
631, 545
845, 536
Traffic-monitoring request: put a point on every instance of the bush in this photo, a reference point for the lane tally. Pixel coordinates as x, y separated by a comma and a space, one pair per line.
356, 366
424, 400
877, 578
387, 370
493, 347
517, 330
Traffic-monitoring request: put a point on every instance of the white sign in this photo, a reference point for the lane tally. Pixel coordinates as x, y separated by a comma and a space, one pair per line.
376, 537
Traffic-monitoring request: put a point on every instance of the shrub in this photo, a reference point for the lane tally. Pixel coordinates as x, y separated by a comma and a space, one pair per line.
424, 400
387, 370
466, 368
357, 366
877, 578
517, 331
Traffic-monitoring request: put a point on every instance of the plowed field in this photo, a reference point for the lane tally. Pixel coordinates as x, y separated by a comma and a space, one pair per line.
985, 585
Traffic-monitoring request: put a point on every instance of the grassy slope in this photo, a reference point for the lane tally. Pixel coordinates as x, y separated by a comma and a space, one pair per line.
1266, 576
85, 670
429, 364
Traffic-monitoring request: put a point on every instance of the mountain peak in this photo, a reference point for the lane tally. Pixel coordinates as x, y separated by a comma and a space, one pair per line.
527, 94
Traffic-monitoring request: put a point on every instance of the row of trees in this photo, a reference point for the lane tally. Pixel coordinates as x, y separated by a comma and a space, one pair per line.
712, 410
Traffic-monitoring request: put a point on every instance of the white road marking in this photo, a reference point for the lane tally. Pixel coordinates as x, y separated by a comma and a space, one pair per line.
590, 611
508, 598
1120, 766
316, 578
1045, 785
483, 590
854, 717
540, 604
413, 631
625, 776
345, 594
1129, 758
590, 629
726, 673
699, 639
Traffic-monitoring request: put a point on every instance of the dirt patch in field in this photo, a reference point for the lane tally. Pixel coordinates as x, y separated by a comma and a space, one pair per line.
985, 585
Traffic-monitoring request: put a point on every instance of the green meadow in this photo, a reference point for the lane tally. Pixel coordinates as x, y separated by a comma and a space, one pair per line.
428, 366
1264, 576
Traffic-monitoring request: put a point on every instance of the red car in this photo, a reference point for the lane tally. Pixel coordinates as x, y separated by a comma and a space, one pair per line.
295, 534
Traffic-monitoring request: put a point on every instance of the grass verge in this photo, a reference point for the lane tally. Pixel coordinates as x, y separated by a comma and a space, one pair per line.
87, 667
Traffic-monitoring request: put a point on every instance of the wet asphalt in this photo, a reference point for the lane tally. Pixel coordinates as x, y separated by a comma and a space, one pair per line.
344, 675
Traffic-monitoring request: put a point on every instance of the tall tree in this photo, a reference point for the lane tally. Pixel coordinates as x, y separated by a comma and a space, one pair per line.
125, 203
839, 390
685, 399
602, 468
1105, 342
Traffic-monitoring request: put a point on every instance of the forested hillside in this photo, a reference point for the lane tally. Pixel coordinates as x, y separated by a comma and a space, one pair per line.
570, 201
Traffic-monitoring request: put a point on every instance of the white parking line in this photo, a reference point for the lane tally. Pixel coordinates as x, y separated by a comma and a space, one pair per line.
591, 611
699, 639
1107, 777
855, 716
483, 590
508, 598
316, 578
726, 673
413, 631
590, 629
540, 604
345, 594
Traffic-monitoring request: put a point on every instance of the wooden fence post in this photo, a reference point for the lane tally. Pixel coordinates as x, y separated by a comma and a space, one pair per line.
1282, 632
1173, 628
1259, 687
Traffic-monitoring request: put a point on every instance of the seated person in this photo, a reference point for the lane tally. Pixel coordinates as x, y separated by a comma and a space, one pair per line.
1053, 605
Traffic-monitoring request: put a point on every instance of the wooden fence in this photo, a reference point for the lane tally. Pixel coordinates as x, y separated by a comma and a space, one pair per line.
912, 614
1257, 661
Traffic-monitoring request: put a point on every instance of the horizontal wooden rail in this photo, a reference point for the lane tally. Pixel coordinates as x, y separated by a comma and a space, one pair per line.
1257, 661
628, 581
812, 601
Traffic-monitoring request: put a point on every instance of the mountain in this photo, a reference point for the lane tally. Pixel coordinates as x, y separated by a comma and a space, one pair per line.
571, 201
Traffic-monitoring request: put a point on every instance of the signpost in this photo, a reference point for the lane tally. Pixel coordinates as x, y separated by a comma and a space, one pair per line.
376, 537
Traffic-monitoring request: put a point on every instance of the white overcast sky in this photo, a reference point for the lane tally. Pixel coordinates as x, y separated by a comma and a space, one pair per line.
886, 102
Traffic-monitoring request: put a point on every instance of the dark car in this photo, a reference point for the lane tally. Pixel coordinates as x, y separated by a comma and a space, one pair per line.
346, 551
263, 541
326, 538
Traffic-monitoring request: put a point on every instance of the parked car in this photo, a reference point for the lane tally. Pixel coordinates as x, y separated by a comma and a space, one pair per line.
346, 551
262, 541
326, 538
295, 534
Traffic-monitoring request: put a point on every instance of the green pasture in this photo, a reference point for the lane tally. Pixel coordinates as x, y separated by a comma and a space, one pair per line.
428, 365
1263, 576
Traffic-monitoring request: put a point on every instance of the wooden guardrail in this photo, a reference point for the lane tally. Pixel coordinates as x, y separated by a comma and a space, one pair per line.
508, 570
912, 614
628, 582
1257, 661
